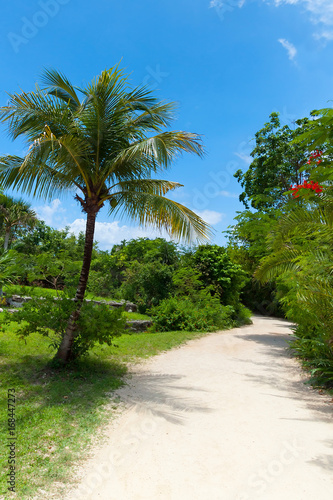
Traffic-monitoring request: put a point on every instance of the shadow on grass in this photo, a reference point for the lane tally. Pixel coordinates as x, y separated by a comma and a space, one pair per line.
79, 385
57, 411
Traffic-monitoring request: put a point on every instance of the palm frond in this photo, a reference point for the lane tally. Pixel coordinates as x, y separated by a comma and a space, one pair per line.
59, 86
40, 181
286, 260
161, 213
149, 186
153, 154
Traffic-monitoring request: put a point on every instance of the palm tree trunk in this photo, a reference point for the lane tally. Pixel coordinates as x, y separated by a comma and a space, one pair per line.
6, 243
64, 353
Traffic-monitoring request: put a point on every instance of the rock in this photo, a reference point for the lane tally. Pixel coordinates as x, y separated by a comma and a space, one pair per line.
18, 301
130, 307
138, 325
112, 303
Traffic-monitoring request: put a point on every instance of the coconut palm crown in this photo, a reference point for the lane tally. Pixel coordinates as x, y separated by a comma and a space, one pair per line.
105, 147
15, 214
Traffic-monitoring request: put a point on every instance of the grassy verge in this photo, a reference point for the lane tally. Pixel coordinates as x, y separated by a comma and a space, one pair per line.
58, 412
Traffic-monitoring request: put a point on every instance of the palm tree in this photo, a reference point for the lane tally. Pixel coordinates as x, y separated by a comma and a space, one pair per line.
105, 147
14, 214
301, 250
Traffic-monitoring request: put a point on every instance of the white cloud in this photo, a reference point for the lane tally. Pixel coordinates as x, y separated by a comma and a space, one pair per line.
49, 212
246, 158
326, 36
227, 194
320, 11
111, 233
290, 48
210, 216
221, 3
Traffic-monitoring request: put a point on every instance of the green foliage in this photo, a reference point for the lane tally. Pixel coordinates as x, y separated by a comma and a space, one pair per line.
14, 215
301, 263
9, 268
247, 246
182, 313
53, 271
105, 143
311, 345
146, 283
113, 273
44, 239
49, 317
218, 271
278, 163
187, 282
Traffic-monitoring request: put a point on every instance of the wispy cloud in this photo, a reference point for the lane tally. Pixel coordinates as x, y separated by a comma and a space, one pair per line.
111, 233
227, 194
290, 48
220, 3
50, 213
210, 216
246, 158
320, 12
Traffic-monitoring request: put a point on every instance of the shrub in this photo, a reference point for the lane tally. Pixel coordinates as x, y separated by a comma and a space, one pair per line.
182, 313
217, 270
49, 317
147, 284
311, 345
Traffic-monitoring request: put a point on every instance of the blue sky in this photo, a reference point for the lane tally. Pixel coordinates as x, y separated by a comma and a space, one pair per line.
228, 64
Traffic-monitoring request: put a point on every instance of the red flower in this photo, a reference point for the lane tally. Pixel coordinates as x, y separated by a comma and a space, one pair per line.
314, 186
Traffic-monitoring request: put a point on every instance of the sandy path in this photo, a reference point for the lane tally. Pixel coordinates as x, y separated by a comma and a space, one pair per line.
225, 417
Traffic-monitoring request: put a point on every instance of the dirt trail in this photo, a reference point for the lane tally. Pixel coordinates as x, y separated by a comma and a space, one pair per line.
225, 417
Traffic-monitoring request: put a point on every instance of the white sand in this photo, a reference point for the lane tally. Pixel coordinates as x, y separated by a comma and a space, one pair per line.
225, 417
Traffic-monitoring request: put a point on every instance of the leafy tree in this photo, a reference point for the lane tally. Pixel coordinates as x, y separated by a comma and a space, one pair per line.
218, 271
54, 241
13, 215
55, 272
278, 163
104, 148
247, 246
146, 283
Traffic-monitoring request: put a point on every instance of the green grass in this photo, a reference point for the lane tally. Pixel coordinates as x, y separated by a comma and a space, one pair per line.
59, 411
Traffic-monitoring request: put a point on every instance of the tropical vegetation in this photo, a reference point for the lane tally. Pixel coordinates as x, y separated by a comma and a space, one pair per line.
106, 146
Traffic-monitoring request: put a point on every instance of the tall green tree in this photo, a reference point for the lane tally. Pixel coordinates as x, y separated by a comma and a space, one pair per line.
107, 147
15, 214
277, 163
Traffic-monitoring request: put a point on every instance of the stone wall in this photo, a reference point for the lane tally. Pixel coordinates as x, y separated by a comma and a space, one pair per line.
135, 326
18, 301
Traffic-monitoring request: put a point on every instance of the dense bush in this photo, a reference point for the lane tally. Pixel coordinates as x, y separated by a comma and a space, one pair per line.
146, 284
217, 270
199, 312
49, 317
181, 313
311, 345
